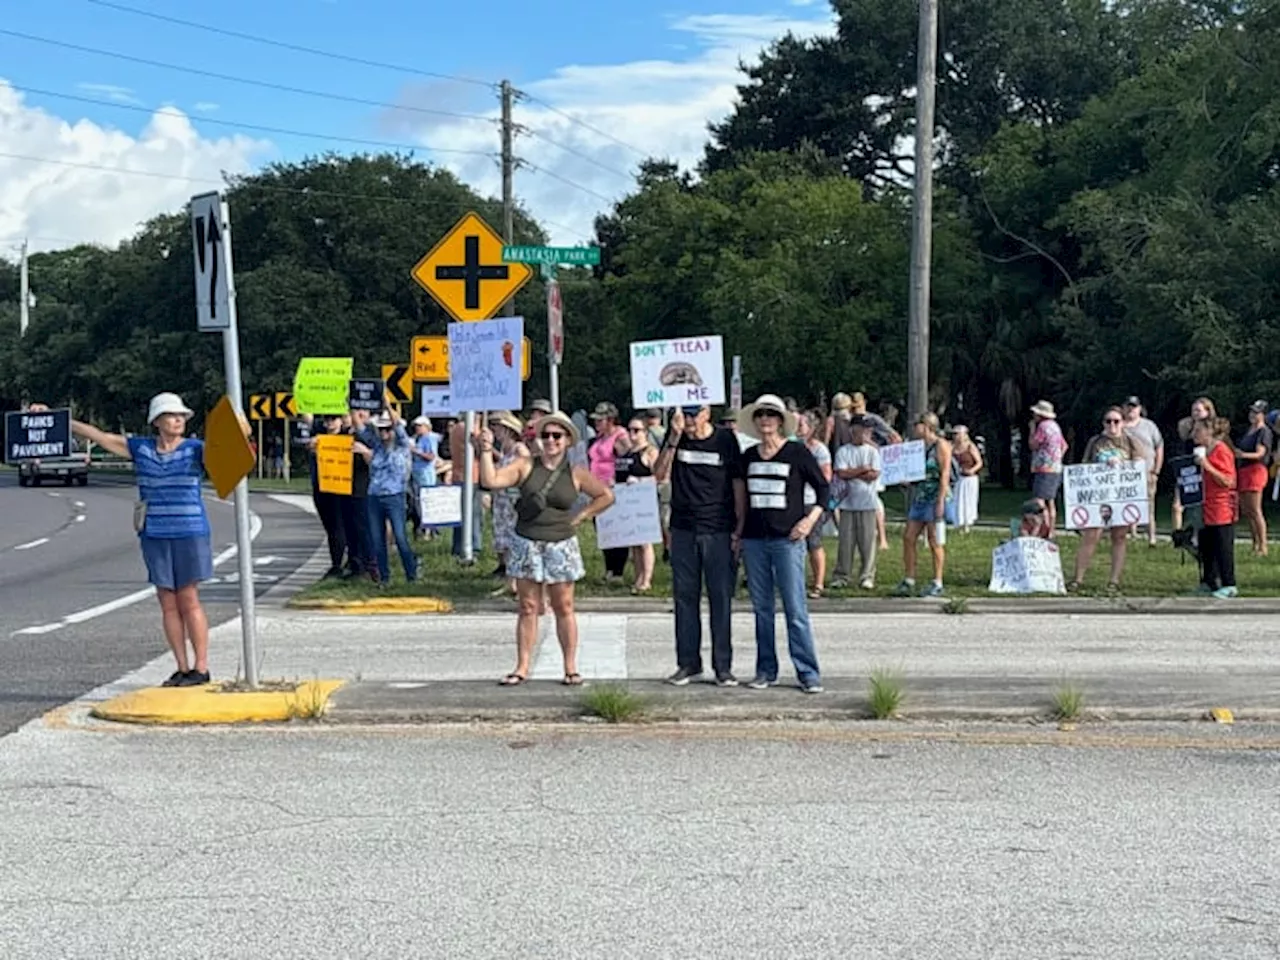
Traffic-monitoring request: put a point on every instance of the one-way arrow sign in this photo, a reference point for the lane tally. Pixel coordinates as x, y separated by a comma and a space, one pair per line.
213, 308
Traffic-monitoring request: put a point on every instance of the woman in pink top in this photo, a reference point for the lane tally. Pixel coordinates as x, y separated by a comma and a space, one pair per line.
610, 441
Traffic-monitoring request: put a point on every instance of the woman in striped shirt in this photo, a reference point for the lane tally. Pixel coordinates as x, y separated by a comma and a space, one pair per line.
173, 528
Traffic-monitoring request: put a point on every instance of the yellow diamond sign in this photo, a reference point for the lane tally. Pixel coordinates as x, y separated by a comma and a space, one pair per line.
228, 458
465, 274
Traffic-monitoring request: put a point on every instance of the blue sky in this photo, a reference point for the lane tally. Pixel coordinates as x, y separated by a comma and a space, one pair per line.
649, 76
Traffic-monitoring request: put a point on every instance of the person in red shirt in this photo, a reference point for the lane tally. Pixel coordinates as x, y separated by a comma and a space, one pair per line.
1221, 506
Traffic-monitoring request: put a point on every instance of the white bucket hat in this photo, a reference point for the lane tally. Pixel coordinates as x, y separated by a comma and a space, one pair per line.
769, 401
163, 403
1044, 408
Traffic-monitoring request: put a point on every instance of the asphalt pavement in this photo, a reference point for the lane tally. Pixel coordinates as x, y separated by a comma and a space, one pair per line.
75, 611
511, 842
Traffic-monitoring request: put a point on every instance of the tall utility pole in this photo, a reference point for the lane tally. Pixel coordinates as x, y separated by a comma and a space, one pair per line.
24, 291
922, 226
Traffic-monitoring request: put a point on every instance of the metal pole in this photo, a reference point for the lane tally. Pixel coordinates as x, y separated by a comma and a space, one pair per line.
260, 458
922, 226
555, 385
231, 358
24, 289
288, 448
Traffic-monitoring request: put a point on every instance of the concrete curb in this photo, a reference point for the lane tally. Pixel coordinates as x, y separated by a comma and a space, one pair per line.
996, 606
209, 705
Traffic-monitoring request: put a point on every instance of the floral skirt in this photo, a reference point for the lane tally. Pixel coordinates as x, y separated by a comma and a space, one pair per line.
542, 561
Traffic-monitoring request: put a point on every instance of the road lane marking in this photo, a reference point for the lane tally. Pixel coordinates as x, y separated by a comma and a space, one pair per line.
33, 543
602, 648
52, 494
78, 503
81, 616
79, 518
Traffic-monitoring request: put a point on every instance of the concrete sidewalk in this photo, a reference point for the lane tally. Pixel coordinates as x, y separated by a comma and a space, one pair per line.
445, 667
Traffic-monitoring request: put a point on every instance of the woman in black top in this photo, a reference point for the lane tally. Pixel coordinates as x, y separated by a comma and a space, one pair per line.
774, 534
544, 549
636, 466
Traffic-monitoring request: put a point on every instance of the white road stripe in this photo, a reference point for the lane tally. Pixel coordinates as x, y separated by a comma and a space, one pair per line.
602, 648
78, 503
33, 543
81, 616
79, 518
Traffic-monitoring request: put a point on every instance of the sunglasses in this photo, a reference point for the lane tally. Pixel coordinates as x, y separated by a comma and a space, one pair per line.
1113, 420
554, 435
635, 429
761, 414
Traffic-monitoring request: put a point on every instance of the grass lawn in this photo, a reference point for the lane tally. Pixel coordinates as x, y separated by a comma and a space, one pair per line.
1150, 572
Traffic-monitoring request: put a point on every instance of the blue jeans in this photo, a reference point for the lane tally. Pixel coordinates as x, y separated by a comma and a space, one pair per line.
381, 509
780, 564
695, 557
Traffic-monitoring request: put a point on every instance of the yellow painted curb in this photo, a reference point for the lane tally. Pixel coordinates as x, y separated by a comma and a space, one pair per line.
210, 705
406, 605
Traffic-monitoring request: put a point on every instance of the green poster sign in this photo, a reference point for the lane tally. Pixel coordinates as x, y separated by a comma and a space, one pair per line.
321, 384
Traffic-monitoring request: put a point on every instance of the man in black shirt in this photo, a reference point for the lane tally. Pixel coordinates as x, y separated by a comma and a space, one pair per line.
708, 505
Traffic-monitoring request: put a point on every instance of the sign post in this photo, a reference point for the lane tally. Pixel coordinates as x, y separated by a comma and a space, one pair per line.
735, 384
555, 337
216, 311
467, 274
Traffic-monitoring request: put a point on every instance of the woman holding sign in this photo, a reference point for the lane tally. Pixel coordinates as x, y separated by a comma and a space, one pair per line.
1218, 535
1112, 445
634, 466
544, 549
172, 526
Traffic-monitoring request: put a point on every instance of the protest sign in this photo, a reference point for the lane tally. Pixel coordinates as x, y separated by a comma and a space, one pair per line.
902, 463
1190, 479
441, 506
35, 435
1027, 565
672, 373
366, 395
334, 465
436, 400
320, 385
484, 364
1105, 494
632, 520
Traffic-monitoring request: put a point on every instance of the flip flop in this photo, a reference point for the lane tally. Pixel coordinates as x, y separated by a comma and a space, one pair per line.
512, 680
572, 680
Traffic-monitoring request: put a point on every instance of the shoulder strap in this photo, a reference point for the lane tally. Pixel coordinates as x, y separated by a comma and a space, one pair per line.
552, 477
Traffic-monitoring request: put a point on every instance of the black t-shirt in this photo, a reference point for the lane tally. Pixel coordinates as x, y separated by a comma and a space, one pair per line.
359, 476
1257, 439
628, 465
702, 476
775, 490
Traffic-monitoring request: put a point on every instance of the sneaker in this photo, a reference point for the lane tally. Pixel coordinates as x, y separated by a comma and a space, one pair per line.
1226, 593
726, 680
811, 686
334, 573
682, 677
840, 583
867, 585
193, 678
761, 682
932, 590
175, 679
905, 589
1203, 590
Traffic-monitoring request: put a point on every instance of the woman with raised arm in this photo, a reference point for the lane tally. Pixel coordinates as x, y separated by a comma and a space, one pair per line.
173, 528
544, 548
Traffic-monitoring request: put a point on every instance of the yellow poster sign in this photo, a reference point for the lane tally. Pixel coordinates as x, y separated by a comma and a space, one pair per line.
228, 458
334, 463
320, 385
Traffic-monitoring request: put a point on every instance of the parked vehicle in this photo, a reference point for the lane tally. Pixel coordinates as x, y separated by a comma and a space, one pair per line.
68, 470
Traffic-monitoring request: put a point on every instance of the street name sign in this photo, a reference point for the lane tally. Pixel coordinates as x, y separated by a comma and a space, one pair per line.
571, 256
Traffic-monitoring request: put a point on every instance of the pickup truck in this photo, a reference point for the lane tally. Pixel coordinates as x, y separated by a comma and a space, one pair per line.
69, 470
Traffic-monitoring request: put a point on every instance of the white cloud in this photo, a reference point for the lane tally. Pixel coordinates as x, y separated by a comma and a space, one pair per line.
205, 106
110, 91
659, 107
71, 199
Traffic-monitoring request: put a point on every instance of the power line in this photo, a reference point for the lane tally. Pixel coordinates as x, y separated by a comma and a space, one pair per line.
283, 45
266, 84
296, 191
249, 126
533, 168
577, 153
582, 123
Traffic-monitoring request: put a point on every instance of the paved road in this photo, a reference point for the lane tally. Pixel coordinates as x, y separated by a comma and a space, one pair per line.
513, 843
71, 553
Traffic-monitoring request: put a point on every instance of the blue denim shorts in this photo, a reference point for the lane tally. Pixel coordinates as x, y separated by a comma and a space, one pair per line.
174, 564
926, 511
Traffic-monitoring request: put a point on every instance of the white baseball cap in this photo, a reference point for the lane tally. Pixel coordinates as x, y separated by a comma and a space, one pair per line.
163, 403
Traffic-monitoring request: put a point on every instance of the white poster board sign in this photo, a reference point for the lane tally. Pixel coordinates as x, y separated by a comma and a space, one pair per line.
1105, 494
1027, 565
484, 364
440, 506
437, 400
902, 463
633, 520
673, 373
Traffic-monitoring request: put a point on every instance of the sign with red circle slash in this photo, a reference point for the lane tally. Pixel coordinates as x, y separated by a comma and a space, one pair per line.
1132, 513
1080, 516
